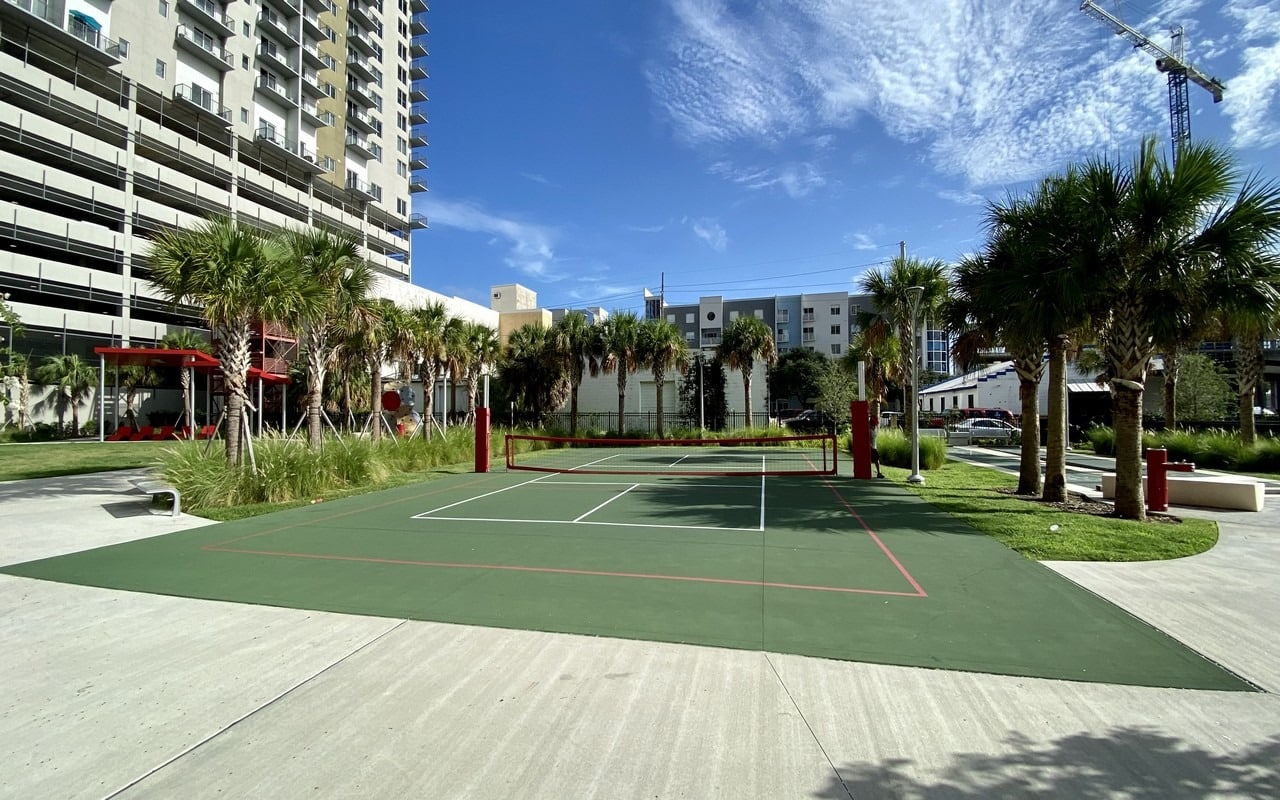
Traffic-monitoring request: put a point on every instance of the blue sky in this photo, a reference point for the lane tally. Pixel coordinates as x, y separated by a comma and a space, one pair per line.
584, 148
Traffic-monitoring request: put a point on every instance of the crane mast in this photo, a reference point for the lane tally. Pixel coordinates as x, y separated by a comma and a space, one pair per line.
1172, 63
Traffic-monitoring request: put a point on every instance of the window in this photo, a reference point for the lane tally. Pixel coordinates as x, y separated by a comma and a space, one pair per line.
402, 122
688, 335
403, 27
124, 48
806, 334
244, 62
759, 313
402, 51
402, 208
835, 311
244, 115
244, 26
784, 315
402, 74
688, 318
402, 169
835, 349
671, 318
733, 315
806, 314
402, 97
402, 145
164, 8
835, 330
160, 68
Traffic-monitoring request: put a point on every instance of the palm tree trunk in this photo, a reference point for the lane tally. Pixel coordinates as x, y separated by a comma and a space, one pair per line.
428, 375
235, 364
375, 398
75, 416
184, 379
316, 359
573, 410
473, 388
746, 393
1030, 369
1127, 406
658, 377
1172, 363
1248, 353
622, 396
1055, 470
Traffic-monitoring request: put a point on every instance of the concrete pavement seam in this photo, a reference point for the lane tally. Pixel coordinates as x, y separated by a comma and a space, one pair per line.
193, 747
805, 720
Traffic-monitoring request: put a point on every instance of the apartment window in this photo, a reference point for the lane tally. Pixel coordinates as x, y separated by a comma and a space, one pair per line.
402, 145
244, 115
688, 318
806, 314
124, 48
806, 334
402, 97
164, 8
835, 349
160, 68
784, 315
402, 51
245, 28
733, 315
403, 27
244, 62
835, 311
402, 122
402, 169
758, 313
402, 74
835, 330
402, 208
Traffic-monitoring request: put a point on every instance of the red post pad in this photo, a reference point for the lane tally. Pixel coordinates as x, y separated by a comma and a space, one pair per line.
482, 440
860, 438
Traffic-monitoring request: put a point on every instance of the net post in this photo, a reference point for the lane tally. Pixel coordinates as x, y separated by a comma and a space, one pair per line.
482, 440
860, 438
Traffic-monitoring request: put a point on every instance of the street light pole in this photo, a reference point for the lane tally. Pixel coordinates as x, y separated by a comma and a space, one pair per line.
914, 294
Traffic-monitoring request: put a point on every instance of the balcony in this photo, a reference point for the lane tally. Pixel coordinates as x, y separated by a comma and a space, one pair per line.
418, 70
268, 84
418, 222
418, 47
363, 42
279, 58
418, 160
418, 6
359, 65
418, 114
418, 91
360, 144
360, 120
312, 113
271, 23
317, 5
418, 138
204, 47
203, 99
293, 152
362, 94
357, 185
418, 24
362, 13
209, 14
312, 57
312, 26
80, 30
417, 181
311, 84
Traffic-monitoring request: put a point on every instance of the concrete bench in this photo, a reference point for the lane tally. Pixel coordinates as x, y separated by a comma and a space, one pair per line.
154, 487
1206, 491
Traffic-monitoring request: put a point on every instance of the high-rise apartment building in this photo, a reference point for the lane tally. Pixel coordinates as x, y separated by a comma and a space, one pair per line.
121, 118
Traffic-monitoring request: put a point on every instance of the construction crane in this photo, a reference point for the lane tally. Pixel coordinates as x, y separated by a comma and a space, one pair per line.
1173, 63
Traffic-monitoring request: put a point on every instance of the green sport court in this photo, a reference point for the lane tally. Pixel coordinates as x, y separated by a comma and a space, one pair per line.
818, 565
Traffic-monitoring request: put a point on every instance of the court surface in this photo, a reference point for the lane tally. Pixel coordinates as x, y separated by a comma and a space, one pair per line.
818, 566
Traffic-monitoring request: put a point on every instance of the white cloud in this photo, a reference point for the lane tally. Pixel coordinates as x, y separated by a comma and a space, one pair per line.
962, 198
711, 232
996, 91
1255, 93
861, 241
531, 250
796, 179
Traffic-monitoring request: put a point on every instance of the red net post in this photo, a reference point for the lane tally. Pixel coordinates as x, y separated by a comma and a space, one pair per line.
860, 438
482, 440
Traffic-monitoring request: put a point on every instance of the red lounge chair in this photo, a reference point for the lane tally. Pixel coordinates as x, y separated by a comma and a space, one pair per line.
165, 433
121, 434
145, 432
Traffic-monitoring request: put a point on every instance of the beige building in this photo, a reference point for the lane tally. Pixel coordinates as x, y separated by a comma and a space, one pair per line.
121, 118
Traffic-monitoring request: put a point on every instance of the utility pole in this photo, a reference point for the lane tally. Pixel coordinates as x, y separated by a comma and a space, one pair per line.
1172, 63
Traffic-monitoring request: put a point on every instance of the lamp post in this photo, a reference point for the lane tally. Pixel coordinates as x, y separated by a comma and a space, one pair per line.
914, 294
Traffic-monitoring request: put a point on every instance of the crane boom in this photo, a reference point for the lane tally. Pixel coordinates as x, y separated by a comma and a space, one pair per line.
1165, 60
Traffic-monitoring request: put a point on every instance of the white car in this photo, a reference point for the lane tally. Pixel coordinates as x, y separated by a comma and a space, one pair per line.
984, 430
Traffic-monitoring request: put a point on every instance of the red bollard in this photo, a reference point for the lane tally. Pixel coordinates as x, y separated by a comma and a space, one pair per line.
1158, 469
860, 439
482, 440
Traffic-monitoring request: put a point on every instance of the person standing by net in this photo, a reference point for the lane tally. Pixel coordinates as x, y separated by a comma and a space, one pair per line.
875, 452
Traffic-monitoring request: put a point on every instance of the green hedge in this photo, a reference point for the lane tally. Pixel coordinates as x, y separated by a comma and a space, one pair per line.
1212, 449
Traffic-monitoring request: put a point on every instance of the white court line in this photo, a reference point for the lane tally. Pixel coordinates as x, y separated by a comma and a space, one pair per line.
477, 497
696, 485
678, 460
593, 463
588, 522
762, 493
606, 502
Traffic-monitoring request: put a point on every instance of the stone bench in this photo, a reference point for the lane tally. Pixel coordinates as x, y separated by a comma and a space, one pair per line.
155, 487
1206, 491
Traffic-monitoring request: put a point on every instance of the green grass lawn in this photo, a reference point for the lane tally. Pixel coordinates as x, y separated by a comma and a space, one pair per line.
51, 459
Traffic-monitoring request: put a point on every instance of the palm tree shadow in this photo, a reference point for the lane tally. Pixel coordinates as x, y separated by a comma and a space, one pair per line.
1123, 762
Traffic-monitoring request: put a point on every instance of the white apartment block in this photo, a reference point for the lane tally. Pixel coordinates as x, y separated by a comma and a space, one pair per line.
121, 118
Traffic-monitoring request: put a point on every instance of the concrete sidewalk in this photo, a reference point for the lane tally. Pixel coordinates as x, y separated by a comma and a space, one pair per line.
116, 694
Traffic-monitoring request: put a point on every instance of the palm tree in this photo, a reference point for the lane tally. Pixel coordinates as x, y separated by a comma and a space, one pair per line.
229, 271
881, 358
620, 341
483, 348
429, 324
390, 338
185, 339
332, 263
889, 293
133, 377
662, 347
457, 358
1160, 235
72, 379
746, 340
532, 372
578, 346
15, 377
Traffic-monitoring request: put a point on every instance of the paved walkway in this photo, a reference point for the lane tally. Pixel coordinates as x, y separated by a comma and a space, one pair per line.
115, 694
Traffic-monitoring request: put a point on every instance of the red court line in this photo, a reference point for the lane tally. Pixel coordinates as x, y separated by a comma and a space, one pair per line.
919, 590
559, 571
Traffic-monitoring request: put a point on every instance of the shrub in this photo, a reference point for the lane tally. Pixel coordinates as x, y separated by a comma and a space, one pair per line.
895, 450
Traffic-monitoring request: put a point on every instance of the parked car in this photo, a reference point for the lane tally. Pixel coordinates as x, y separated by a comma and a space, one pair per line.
984, 430
812, 421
